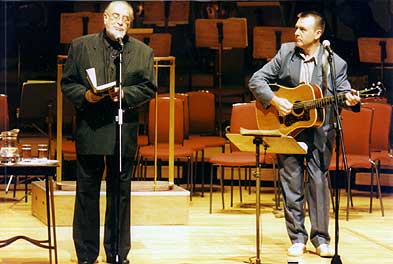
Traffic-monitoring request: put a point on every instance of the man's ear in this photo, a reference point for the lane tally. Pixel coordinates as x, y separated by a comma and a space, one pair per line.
106, 17
318, 34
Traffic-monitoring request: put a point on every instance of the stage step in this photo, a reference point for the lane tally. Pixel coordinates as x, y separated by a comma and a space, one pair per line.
148, 206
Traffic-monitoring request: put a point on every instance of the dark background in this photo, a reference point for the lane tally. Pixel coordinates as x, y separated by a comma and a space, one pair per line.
30, 34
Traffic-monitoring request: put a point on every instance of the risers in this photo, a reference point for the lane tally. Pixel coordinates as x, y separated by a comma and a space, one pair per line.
148, 207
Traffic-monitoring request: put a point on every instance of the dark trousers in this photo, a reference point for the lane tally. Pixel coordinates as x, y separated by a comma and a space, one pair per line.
86, 226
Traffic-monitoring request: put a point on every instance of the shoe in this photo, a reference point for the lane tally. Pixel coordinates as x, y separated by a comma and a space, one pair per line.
87, 262
124, 261
297, 249
325, 250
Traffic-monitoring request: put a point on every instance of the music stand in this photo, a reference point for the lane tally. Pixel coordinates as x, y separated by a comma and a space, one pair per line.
166, 13
221, 34
159, 42
267, 40
73, 25
273, 142
376, 50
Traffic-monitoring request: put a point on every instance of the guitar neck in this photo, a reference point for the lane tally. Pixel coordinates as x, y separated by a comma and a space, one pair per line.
318, 103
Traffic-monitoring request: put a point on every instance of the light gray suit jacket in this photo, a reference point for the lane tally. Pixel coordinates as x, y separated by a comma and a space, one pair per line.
284, 69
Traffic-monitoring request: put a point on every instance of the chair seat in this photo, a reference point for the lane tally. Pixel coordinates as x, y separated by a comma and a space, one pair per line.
209, 141
194, 144
239, 159
384, 158
163, 151
354, 161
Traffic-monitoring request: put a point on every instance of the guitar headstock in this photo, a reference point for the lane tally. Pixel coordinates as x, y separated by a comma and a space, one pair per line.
374, 91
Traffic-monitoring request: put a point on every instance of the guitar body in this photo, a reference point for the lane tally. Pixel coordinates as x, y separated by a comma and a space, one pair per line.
300, 118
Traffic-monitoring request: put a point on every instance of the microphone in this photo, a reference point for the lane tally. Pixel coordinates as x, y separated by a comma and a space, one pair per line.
326, 45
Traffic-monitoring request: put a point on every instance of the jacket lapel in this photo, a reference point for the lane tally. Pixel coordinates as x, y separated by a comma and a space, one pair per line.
294, 68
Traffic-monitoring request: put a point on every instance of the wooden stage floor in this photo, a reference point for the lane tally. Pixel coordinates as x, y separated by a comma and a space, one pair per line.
224, 237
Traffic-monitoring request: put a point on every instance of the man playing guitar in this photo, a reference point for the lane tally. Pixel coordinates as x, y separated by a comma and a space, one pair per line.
305, 61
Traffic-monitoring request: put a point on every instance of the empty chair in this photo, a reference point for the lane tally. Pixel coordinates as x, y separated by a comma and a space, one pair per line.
357, 138
243, 116
162, 148
380, 144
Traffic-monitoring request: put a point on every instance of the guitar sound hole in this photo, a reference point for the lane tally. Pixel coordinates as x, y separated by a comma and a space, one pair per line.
291, 119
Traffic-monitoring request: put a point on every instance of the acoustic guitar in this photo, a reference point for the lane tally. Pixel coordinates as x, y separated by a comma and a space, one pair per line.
308, 107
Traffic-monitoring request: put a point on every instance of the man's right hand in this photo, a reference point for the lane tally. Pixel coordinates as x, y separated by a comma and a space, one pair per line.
283, 106
93, 98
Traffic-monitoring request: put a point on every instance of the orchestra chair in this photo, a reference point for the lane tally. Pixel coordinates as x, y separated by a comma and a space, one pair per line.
357, 127
380, 145
192, 143
4, 114
243, 115
202, 123
202, 120
181, 152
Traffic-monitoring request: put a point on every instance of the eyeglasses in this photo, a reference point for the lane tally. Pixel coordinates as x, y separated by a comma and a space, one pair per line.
117, 16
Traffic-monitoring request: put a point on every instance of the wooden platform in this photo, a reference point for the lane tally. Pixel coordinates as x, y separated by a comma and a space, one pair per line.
148, 207
224, 237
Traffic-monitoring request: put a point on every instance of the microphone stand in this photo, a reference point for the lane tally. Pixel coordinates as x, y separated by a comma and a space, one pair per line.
339, 139
119, 120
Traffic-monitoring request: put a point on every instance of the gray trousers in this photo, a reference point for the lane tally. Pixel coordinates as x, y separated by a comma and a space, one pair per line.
317, 189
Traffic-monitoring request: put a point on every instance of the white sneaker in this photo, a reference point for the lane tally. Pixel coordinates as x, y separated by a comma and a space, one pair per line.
325, 250
297, 249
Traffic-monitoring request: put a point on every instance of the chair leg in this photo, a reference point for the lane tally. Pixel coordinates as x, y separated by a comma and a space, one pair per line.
190, 176
249, 181
232, 186
222, 186
194, 170
211, 189
349, 196
378, 172
371, 189
203, 171
240, 185
136, 158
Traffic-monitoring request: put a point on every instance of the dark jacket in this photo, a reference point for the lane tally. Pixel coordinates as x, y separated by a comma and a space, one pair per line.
96, 124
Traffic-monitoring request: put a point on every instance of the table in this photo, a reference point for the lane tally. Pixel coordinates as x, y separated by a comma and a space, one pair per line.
47, 169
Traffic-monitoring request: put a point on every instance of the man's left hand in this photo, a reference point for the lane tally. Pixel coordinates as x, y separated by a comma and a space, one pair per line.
352, 98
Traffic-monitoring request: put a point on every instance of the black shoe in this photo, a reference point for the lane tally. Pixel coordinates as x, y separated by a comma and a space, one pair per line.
87, 262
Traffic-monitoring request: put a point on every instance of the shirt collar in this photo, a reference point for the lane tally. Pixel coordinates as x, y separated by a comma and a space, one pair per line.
313, 57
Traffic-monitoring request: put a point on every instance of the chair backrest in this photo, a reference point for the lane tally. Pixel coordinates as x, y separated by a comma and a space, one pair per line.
163, 120
380, 132
4, 114
357, 131
202, 111
183, 97
243, 116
